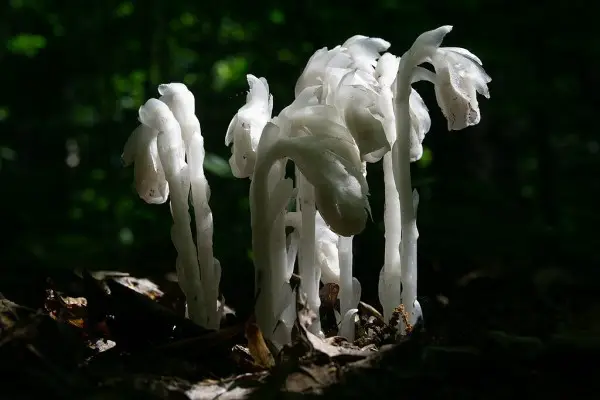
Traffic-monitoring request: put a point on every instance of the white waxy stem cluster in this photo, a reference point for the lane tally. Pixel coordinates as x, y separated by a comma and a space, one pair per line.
352, 106
168, 152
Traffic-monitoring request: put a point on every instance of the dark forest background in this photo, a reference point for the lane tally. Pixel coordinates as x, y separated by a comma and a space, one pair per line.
516, 195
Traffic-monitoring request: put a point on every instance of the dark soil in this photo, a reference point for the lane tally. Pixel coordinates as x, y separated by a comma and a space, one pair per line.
112, 337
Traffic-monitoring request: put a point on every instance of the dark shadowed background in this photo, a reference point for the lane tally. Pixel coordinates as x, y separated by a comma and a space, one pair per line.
515, 195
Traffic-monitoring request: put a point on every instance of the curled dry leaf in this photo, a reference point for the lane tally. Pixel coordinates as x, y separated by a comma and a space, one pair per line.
257, 345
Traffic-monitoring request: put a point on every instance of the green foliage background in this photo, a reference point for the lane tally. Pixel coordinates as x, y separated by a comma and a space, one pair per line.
519, 190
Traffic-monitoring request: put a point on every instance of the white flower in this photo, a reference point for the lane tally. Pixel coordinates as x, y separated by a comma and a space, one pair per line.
142, 150
181, 102
328, 158
326, 246
357, 53
156, 115
245, 128
356, 96
365, 51
387, 69
316, 65
420, 122
459, 77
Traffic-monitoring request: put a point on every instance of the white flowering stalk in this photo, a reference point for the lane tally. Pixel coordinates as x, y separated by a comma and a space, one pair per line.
329, 160
389, 278
459, 77
181, 102
141, 149
343, 79
157, 116
247, 125
309, 273
275, 308
170, 134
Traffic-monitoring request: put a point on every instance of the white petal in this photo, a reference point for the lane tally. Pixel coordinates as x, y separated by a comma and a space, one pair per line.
387, 69
426, 44
365, 51
363, 118
315, 67
420, 125
459, 77
246, 127
150, 182
327, 254
340, 188
230, 130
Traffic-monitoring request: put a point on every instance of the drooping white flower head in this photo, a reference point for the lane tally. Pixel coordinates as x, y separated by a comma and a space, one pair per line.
459, 77
156, 115
326, 155
246, 127
343, 77
356, 97
420, 122
387, 69
182, 103
316, 65
357, 53
141, 150
365, 51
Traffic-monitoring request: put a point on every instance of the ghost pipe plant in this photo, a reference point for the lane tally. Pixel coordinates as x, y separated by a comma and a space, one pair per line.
341, 78
347, 112
274, 295
327, 157
389, 279
246, 127
458, 78
170, 135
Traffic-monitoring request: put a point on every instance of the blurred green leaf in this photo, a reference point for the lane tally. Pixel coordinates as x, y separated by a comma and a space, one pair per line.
277, 17
426, 159
4, 113
229, 70
124, 9
26, 44
217, 165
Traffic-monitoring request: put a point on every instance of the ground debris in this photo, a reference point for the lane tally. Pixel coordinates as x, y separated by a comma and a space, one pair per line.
146, 349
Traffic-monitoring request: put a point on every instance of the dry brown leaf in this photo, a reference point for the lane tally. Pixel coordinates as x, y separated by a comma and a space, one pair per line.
257, 345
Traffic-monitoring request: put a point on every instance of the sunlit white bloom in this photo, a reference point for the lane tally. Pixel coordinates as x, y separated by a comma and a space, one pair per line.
181, 102
141, 150
365, 51
326, 245
156, 115
459, 77
330, 162
246, 127
420, 122
316, 65
356, 97
357, 53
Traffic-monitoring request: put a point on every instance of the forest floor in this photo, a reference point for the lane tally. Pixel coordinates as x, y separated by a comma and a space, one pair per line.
113, 336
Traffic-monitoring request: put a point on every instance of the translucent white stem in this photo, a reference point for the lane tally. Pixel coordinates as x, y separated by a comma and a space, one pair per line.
389, 281
259, 201
209, 269
177, 175
346, 294
307, 267
267, 205
401, 159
